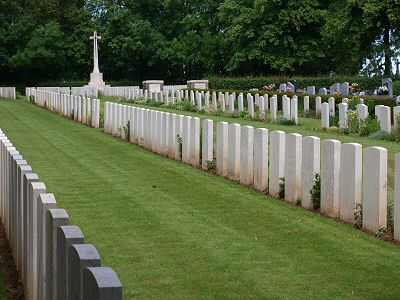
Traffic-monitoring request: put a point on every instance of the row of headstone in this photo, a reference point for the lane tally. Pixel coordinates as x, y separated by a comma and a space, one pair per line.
169, 134
8, 93
382, 113
168, 88
254, 158
51, 257
232, 103
84, 91
118, 91
297, 159
343, 88
336, 88
81, 109
169, 97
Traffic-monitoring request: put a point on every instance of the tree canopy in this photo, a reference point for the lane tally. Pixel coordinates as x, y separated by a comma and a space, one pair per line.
177, 40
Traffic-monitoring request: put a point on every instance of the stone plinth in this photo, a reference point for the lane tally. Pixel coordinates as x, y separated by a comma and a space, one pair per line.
197, 84
153, 85
96, 80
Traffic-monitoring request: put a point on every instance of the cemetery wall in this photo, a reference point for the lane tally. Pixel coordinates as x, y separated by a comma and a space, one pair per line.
50, 253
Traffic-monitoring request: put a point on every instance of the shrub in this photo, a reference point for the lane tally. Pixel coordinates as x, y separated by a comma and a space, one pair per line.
358, 216
396, 88
154, 103
211, 165
180, 142
127, 130
284, 121
315, 192
282, 188
369, 126
379, 135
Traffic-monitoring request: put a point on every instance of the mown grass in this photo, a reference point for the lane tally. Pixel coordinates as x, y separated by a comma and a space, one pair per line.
172, 231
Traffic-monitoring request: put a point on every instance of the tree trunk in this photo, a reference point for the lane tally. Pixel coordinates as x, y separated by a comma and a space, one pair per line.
388, 52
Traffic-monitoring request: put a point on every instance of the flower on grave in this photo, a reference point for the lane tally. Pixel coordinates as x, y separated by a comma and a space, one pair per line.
336, 91
271, 87
354, 87
289, 90
382, 90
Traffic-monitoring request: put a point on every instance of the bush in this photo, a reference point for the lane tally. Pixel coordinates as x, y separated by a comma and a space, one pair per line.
379, 135
315, 192
284, 121
393, 136
396, 88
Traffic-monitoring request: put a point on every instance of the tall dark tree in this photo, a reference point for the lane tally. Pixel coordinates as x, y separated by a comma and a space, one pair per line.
362, 30
273, 36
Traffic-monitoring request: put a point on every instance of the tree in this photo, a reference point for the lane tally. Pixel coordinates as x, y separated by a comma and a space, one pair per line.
267, 36
44, 54
361, 31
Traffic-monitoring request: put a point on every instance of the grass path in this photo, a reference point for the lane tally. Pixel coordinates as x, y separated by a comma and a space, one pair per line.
172, 231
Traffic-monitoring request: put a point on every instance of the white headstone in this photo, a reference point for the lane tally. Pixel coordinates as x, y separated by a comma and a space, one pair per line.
374, 207
330, 168
276, 161
222, 149
310, 167
246, 155
261, 159
350, 181
293, 150
234, 152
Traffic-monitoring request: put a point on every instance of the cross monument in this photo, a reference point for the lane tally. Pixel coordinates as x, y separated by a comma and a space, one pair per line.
96, 78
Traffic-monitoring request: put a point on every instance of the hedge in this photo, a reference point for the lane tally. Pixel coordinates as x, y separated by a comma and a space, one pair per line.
247, 83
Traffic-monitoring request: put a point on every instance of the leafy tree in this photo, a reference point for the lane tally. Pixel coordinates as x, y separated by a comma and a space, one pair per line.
359, 30
44, 54
267, 36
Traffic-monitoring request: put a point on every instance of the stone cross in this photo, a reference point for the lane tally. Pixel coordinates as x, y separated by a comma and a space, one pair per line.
95, 38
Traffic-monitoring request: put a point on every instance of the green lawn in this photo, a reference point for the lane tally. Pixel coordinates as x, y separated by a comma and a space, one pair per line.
173, 231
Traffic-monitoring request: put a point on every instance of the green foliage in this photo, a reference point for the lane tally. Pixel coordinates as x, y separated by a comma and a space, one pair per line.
152, 102
358, 216
185, 105
315, 192
181, 40
281, 188
263, 35
393, 136
127, 131
379, 135
369, 126
211, 165
396, 88
284, 121
179, 139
